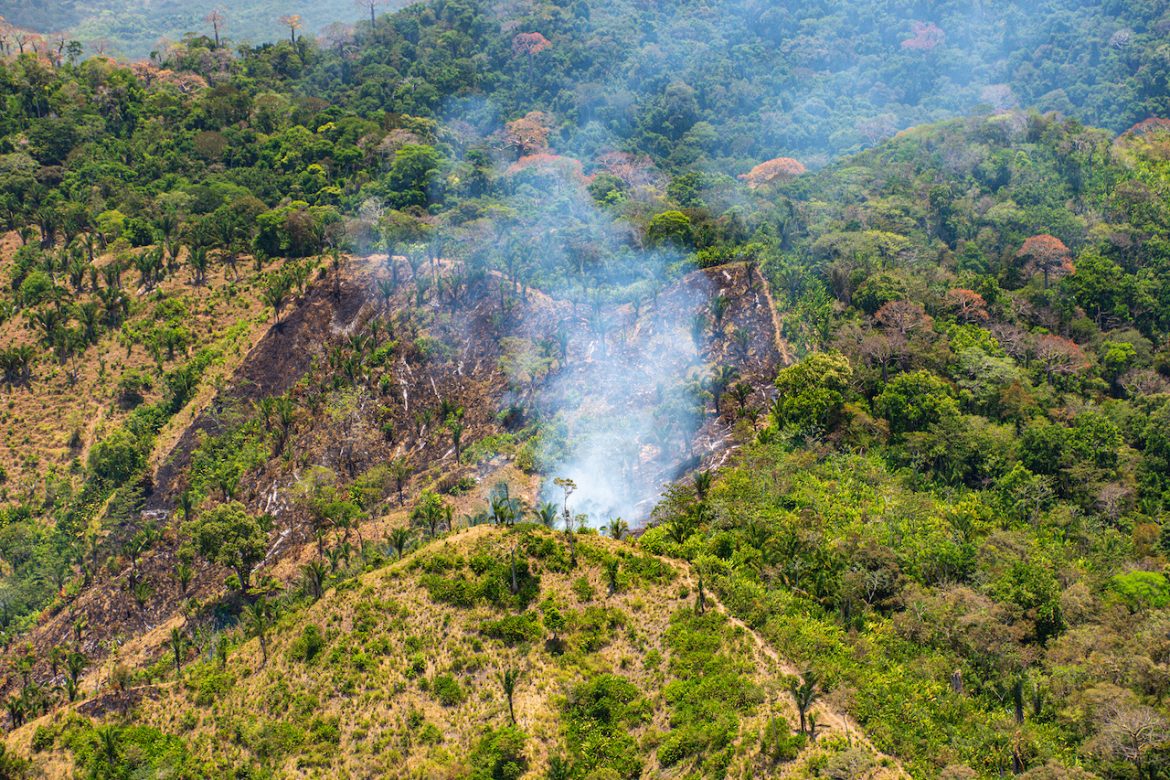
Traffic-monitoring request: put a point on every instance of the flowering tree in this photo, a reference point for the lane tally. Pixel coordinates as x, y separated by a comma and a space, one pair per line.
927, 37
293, 23
1146, 126
1059, 356
903, 317
634, 170
529, 133
1048, 255
566, 167
967, 305
216, 18
530, 44
781, 169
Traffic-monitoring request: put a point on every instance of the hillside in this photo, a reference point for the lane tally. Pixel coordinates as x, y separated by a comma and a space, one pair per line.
397, 672
490, 277
134, 28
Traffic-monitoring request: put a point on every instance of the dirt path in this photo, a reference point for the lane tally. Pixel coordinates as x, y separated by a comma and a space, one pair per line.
829, 720
781, 343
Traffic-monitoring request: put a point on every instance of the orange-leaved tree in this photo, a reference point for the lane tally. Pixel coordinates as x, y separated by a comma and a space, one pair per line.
1048, 255
780, 169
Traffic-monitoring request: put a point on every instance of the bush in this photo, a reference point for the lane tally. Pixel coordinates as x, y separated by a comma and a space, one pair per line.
499, 755
778, 742
599, 715
514, 629
1141, 590
812, 392
308, 645
848, 764
116, 458
447, 691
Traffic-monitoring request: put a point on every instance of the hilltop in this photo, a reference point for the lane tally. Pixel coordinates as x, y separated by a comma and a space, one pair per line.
622, 670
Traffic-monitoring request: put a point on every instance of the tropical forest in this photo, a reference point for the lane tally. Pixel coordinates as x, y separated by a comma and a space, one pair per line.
585, 389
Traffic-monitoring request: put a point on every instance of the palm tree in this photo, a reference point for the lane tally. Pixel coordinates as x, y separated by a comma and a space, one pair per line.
178, 643
456, 426
720, 379
508, 679
611, 574
184, 573
142, 591
258, 617
70, 689
275, 293
805, 691
400, 472
741, 392
617, 528
56, 657
546, 513
314, 574
336, 259
702, 484
400, 539
109, 744
16, 709
504, 509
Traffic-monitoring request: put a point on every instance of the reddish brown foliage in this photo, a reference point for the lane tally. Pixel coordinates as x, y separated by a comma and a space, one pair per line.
634, 170
1048, 255
186, 83
529, 133
967, 305
903, 317
1059, 355
530, 44
1146, 126
567, 166
780, 169
927, 36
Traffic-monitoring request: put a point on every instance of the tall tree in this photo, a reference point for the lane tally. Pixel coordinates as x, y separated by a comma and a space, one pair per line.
508, 679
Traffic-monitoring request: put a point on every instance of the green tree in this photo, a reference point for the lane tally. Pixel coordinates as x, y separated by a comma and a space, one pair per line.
671, 228
117, 457
812, 392
499, 755
178, 645
228, 535
916, 400
258, 618
400, 539
314, 575
508, 679
429, 512
805, 690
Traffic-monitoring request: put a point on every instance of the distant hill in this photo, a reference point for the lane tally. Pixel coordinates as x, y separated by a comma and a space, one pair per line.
133, 28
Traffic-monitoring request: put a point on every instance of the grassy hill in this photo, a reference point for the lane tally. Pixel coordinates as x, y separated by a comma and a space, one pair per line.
623, 668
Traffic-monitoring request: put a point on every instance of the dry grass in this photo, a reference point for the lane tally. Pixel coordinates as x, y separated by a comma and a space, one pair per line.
40, 420
379, 624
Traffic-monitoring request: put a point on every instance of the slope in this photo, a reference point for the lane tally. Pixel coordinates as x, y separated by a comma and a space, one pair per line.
624, 669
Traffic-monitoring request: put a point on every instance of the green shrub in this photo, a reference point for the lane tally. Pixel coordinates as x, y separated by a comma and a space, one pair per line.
514, 629
778, 742
599, 715
116, 458
308, 645
583, 590
461, 592
499, 755
447, 691
1141, 590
